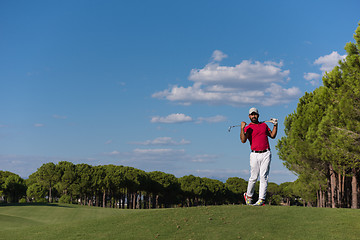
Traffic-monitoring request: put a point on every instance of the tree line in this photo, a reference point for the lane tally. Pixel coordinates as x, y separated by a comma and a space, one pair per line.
322, 142
127, 187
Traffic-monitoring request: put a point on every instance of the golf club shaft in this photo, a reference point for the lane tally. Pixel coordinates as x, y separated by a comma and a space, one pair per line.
240, 125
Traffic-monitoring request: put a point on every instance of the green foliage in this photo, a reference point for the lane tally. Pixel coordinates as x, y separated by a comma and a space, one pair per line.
273, 194
203, 191
36, 193
324, 132
47, 176
65, 199
166, 186
236, 188
214, 193
67, 177
305, 187
12, 187
119, 186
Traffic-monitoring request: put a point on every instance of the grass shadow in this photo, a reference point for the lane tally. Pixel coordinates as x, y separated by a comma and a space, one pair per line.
36, 204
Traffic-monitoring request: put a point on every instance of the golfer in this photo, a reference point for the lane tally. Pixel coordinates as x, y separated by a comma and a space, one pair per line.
257, 133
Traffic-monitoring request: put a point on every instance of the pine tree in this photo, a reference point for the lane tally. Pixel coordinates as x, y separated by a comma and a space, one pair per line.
323, 134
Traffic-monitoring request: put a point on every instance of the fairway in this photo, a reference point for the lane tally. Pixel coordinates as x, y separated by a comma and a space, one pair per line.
213, 222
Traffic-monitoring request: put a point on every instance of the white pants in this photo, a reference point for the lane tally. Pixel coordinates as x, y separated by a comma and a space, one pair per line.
260, 165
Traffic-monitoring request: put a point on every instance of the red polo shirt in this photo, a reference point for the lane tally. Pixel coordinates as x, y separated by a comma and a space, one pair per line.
258, 136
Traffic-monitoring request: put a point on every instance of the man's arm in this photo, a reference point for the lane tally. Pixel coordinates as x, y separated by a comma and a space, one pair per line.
243, 136
272, 134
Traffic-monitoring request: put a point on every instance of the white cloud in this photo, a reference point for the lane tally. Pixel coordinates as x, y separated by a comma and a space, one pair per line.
181, 118
313, 78
113, 153
277, 94
24, 165
241, 85
155, 158
164, 141
157, 151
159, 158
143, 155
245, 73
328, 62
29, 74
214, 119
39, 125
172, 118
204, 158
59, 117
218, 56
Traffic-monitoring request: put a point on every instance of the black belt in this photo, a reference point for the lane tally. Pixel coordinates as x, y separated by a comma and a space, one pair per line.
260, 151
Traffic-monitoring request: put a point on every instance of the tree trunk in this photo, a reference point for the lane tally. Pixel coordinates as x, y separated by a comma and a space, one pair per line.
328, 202
123, 201
322, 195
150, 196
338, 195
138, 201
128, 200
157, 200
354, 190
50, 197
134, 201
343, 199
104, 199
332, 186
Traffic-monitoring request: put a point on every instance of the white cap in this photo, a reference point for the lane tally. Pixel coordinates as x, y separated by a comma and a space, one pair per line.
253, 110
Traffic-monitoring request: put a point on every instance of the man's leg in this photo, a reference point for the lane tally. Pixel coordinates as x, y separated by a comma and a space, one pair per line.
254, 174
264, 173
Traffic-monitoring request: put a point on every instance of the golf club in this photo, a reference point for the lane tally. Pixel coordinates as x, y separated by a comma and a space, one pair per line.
272, 120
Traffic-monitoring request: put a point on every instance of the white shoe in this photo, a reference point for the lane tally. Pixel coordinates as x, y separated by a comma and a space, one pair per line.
248, 200
259, 202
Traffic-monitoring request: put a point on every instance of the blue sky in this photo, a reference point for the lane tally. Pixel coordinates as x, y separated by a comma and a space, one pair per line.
156, 84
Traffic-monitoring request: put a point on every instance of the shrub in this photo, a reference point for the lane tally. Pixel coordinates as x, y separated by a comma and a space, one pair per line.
65, 199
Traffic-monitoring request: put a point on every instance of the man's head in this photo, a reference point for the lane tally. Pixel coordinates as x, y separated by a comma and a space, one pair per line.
254, 115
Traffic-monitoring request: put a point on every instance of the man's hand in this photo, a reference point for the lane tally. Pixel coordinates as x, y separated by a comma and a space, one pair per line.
274, 121
272, 134
243, 137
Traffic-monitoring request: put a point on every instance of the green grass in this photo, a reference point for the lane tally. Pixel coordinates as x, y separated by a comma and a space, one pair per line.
214, 222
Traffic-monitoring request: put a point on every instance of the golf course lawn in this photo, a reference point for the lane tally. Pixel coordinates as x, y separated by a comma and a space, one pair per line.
61, 221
